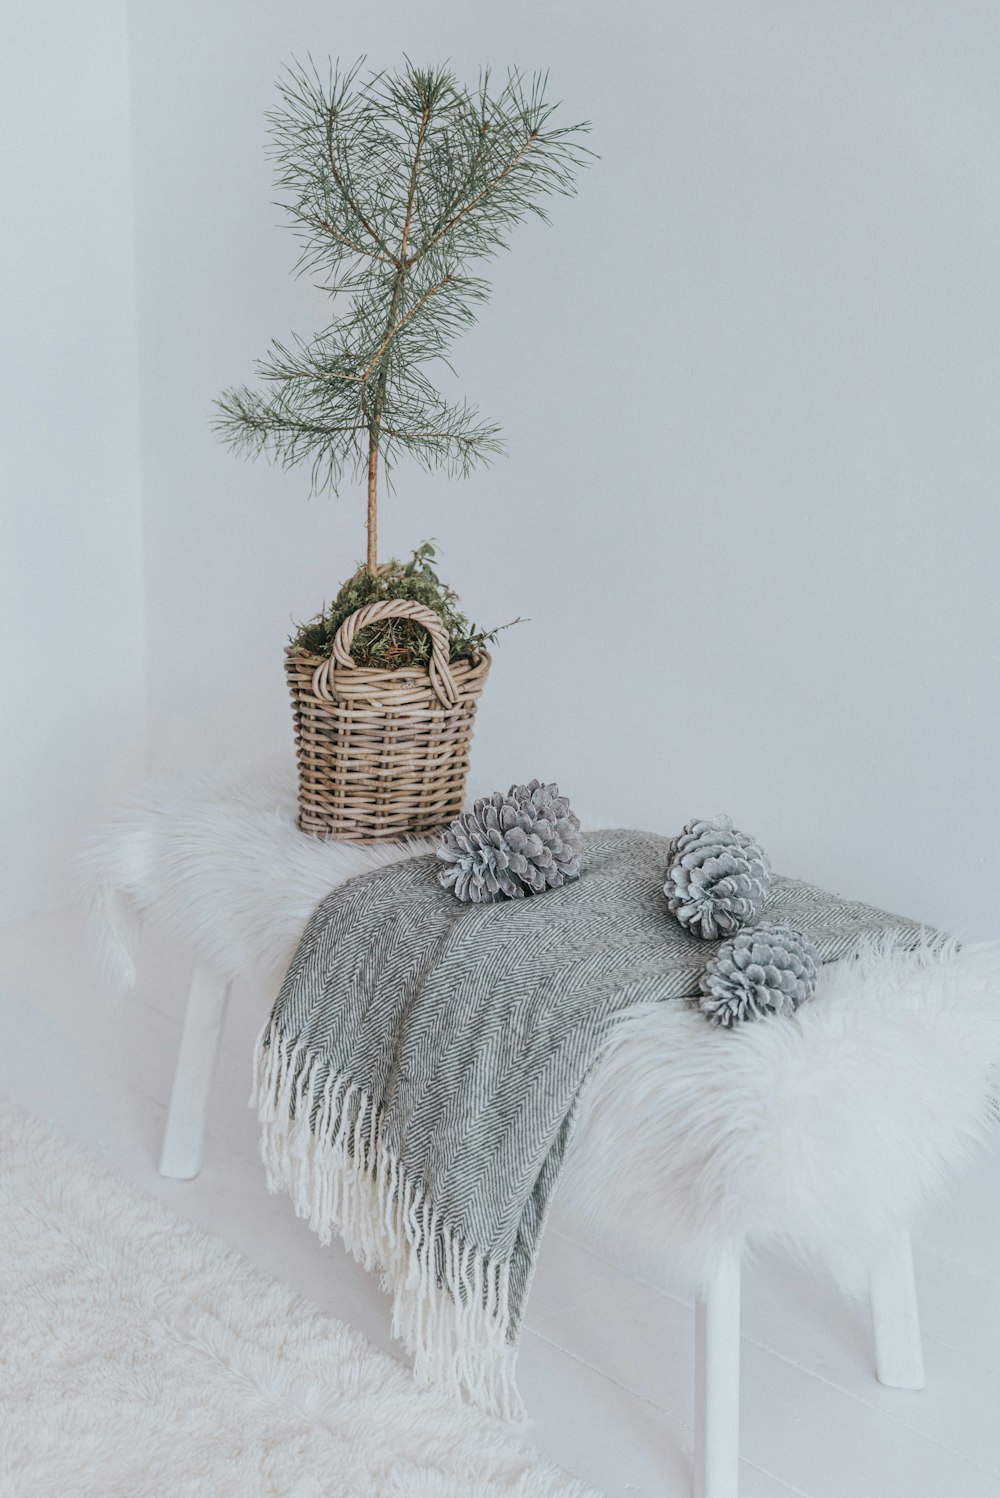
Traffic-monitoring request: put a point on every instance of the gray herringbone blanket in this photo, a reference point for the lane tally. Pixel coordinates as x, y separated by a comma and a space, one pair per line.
418, 1077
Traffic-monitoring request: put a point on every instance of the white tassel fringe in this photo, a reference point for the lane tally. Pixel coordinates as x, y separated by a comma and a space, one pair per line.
450, 1305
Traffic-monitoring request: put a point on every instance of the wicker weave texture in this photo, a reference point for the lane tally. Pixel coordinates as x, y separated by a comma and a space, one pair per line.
382, 754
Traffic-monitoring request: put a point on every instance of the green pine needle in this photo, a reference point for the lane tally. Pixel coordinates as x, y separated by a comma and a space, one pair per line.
394, 643
393, 183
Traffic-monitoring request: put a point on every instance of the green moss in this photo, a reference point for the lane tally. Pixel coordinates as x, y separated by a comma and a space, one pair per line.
394, 643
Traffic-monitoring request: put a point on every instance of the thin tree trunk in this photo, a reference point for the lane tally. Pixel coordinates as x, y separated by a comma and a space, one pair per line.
380, 384
372, 501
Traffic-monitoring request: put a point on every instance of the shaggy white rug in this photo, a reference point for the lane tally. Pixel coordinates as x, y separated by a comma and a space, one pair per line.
140, 1357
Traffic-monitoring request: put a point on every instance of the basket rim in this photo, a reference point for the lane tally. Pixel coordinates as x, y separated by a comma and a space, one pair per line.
463, 663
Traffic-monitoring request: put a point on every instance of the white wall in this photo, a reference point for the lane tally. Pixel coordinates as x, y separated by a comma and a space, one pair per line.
749, 380
71, 696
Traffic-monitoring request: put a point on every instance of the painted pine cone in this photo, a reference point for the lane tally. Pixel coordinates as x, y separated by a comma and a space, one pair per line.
718, 878
510, 846
770, 969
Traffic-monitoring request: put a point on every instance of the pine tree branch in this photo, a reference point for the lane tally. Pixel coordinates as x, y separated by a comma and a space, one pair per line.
392, 333
315, 429
476, 201
411, 195
462, 437
345, 192
359, 249
323, 374
271, 422
470, 172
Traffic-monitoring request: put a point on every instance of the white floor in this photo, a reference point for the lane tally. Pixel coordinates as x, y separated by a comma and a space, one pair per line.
606, 1363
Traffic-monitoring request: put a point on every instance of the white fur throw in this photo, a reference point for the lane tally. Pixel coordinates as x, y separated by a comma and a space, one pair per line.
825, 1130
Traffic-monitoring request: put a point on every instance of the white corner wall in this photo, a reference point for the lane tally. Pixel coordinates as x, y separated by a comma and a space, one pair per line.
71, 693
749, 381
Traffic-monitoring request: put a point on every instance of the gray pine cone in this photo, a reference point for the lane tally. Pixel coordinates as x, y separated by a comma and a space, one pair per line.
718, 878
770, 969
510, 846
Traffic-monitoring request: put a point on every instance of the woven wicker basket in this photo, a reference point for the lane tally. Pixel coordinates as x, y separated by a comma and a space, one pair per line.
382, 754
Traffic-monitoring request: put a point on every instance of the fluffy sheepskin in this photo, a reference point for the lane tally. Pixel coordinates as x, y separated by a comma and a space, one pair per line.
143, 1357
826, 1131
219, 863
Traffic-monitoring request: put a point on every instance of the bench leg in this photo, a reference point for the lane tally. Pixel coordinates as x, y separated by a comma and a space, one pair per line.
717, 1384
184, 1136
899, 1358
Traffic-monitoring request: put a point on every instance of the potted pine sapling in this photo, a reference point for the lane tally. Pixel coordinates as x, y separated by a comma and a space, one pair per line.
394, 183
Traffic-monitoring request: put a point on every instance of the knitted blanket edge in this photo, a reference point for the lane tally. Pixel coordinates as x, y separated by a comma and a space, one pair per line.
321, 1142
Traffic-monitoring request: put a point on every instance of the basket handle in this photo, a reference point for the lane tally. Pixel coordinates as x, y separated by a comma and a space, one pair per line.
391, 608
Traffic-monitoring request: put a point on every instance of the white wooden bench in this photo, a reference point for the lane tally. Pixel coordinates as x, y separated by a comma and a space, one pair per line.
826, 1131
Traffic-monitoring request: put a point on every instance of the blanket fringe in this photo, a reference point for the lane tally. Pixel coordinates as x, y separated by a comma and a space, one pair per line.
321, 1141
